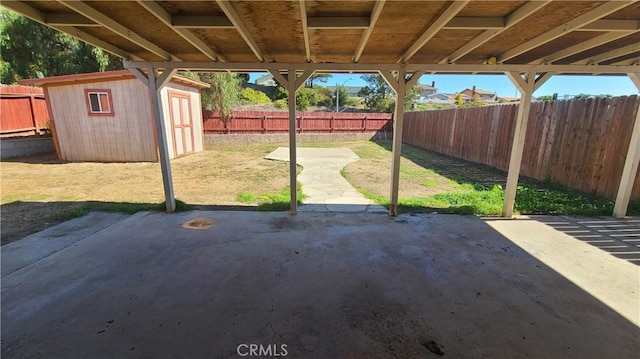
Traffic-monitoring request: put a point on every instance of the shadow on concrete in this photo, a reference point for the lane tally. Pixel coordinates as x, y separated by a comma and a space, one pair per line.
324, 285
619, 237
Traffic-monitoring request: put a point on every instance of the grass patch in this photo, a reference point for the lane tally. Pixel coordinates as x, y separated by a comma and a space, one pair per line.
271, 202
71, 213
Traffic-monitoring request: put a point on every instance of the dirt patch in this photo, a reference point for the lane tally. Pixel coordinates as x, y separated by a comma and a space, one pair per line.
39, 191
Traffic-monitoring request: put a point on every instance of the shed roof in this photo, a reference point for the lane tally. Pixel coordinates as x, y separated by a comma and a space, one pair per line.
103, 76
461, 32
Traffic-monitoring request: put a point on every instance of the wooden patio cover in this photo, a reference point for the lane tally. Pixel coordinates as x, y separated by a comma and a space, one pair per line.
529, 41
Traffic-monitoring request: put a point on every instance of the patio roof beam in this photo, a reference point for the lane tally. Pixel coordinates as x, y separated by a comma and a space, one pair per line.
305, 30
231, 13
375, 14
112, 25
510, 20
626, 50
527, 86
374, 68
583, 46
161, 14
433, 29
631, 163
576, 23
37, 16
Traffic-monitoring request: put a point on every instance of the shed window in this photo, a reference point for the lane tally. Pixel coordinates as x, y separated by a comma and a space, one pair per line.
99, 102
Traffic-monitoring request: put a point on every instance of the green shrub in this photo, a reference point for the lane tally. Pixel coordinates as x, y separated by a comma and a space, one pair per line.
281, 103
251, 96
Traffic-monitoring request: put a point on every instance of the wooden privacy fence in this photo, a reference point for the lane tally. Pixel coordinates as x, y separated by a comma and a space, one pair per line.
248, 122
23, 111
579, 143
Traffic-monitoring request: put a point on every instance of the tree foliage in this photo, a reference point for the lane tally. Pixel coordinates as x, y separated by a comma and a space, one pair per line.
28, 49
251, 96
223, 94
378, 96
545, 98
318, 78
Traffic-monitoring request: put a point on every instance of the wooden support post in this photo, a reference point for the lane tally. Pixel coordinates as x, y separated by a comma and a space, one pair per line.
161, 135
293, 184
630, 165
398, 113
526, 87
292, 84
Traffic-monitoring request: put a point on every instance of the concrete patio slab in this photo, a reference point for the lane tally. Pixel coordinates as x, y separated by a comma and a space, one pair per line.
323, 285
322, 183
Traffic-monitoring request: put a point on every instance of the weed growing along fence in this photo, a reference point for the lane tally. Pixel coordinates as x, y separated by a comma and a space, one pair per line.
247, 122
579, 143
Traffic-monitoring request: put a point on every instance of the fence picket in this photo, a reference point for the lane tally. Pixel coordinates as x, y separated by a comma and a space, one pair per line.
579, 143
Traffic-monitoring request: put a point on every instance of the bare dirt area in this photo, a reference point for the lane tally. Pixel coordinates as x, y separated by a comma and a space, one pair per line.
39, 191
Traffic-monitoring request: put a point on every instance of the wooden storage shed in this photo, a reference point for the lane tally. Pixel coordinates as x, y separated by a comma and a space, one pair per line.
108, 116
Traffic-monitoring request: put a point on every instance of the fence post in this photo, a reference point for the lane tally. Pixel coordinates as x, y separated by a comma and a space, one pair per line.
264, 124
300, 123
364, 124
32, 114
331, 124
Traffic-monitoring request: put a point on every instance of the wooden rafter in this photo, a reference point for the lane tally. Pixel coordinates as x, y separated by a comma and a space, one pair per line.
575, 23
626, 50
612, 25
231, 13
100, 18
305, 30
375, 14
510, 20
69, 20
433, 29
627, 62
162, 15
581, 47
37, 16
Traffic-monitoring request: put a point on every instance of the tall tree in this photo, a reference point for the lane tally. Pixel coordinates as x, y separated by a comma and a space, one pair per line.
223, 94
378, 96
28, 49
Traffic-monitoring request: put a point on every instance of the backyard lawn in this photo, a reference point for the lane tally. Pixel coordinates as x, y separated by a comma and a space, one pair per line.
39, 191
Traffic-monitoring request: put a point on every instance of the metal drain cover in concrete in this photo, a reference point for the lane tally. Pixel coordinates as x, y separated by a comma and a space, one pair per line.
198, 223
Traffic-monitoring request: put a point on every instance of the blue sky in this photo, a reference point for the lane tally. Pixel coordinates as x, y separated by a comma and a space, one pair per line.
562, 85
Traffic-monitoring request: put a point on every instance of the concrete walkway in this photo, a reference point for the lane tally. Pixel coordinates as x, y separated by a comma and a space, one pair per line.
323, 185
325, 285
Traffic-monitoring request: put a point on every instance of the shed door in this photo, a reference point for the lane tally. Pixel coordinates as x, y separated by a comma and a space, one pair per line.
180, 108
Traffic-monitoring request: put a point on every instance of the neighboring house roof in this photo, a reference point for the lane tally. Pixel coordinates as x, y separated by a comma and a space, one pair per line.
443, 96
508, 99
480, 91
427, 87
264, 78
103, 76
